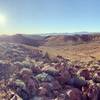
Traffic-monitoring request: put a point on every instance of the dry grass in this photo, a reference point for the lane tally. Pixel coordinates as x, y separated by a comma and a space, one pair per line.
82, 52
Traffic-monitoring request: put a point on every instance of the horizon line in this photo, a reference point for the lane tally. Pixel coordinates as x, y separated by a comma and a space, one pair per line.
51, 33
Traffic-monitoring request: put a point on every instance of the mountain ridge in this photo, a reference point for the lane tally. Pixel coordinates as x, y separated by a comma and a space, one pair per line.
61, 39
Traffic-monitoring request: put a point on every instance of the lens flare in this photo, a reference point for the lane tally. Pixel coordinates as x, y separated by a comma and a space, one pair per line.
2, 20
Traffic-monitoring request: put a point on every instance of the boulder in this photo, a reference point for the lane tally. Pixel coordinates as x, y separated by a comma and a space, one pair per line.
20, 84
44, 77
25, 73
40, 98
5, 70
55, 85
77, 82
16, 83
74, 94
96, 77
45, 89
84, 73
49, 68
13, 96
36, 70
32, 86
23, 93
20, 88
93, 92
61, 96
64, 77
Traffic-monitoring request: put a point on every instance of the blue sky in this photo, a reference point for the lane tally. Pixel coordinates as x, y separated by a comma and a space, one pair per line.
47, 16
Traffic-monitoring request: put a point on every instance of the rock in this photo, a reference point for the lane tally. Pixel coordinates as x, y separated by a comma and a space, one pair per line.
5, 70
52, 73
13, 96
61, 96
40, 98
64, 77
42, 91
55, 85
25, 73
44, 77
20, 88
45, 89
84, 73
17, 83
23, 94
74, 94
93, 92
77, 82
96, 77
72, 71
37, 77
49, 68
20, 84
50, 89
36, 70
32, 86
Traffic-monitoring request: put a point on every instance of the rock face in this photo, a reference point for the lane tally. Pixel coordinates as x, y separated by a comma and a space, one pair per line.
38, 77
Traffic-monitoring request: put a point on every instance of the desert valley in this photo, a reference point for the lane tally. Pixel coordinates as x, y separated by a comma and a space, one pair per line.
53, 67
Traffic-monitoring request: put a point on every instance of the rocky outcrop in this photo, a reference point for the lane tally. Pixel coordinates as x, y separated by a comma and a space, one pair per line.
36, 76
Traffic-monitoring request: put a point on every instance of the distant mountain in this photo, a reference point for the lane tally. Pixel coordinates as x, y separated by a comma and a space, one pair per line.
71, 39
52, 39
35, 37
19, 38
64, 33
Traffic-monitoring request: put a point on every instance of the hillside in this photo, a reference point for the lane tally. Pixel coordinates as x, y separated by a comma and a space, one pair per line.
21, 39
80, 52
57, 40
51, 40
27, 73
50, 72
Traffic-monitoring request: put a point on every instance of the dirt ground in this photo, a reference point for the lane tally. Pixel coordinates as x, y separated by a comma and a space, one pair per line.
82, 52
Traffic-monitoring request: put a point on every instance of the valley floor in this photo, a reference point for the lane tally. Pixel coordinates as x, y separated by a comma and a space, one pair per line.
82, 52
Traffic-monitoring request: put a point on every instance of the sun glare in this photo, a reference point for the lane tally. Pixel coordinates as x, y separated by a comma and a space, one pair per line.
2, 20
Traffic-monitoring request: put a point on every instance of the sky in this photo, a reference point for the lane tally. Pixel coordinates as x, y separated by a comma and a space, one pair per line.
49, 16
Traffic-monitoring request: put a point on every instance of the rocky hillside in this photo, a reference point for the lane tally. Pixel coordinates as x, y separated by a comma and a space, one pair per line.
58, 40
30, 74
52, 40
22, 39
